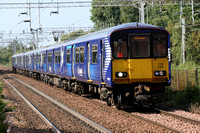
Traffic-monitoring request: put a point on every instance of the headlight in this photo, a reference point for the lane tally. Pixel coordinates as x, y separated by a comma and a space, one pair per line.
121, 74
160, 73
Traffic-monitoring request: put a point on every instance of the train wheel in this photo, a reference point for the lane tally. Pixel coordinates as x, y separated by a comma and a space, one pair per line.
69, 87
109, 101
119, 101
104, 94
79, 91
62, 85
151, 105
140, 103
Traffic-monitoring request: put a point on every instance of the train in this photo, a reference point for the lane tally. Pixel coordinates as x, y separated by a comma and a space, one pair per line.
122, 65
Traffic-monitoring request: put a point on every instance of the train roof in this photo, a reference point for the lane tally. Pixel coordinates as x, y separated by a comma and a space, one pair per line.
106, 32
95, 35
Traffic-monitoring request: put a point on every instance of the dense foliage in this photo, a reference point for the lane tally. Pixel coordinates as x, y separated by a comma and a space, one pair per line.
8, 51
3, 126
186, 98
72, 35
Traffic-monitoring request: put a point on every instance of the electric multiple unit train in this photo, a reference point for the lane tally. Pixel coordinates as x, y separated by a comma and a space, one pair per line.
122, 64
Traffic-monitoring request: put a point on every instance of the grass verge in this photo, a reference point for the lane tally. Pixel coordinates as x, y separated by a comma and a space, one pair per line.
3, 126
187, 99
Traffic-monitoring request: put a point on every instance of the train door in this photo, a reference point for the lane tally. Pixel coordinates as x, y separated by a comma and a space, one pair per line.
95, 63
88, 61
62, 53
50, 61
57, 61
34, 61
24, 60
68, 59
73, 59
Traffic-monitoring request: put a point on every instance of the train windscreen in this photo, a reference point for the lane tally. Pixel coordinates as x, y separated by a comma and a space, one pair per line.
140, 46
120, 46
159, 45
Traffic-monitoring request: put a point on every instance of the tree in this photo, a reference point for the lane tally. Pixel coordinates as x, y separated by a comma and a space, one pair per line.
72, 35
104, 17
128, 13
8, 51
193, 47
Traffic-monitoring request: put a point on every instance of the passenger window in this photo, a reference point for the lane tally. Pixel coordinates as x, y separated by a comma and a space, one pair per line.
82, 55
55, 57
43, 58
22, 60
39, 58
58, 57
29, 59
34, 56
77, 55
94, 53
49, 57
68, 56
25, 60
19, 61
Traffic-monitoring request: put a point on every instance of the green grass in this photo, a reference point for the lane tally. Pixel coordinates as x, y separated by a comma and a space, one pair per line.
188, 65
186, 98
3, 126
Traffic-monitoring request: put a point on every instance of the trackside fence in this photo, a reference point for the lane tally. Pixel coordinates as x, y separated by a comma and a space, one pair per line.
181, 78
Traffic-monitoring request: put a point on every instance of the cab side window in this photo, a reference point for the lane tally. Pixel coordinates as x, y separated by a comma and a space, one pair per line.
94, 54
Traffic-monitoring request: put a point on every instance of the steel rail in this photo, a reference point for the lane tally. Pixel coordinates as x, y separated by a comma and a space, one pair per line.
187, 119
77, 115
132, 115
34, 108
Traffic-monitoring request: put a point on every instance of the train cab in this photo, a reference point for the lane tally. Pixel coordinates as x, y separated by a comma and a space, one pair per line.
140, 64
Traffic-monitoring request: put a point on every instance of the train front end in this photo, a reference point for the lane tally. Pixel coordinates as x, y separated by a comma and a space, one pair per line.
140, 65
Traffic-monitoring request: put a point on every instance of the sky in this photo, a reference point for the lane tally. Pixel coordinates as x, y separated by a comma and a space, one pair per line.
13, 22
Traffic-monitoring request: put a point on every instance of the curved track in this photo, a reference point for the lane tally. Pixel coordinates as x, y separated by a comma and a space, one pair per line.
54, 129
67, 109
139, 117
102, 105
132, 115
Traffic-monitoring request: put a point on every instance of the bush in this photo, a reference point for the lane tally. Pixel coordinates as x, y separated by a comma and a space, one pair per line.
3, 126
184, 98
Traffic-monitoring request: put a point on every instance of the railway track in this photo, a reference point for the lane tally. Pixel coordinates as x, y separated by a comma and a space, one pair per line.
169, 129
183, 118
92, 124
162, 112
178, 116
104, 106
54, 129
132, 115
